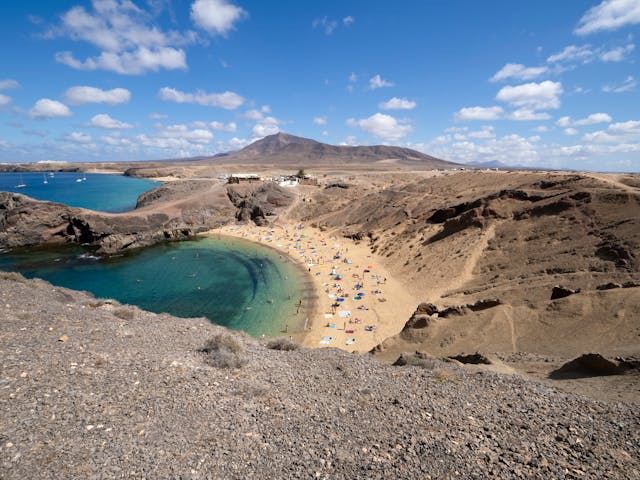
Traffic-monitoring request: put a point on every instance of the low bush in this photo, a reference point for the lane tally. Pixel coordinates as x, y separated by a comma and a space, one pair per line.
283, 344
223, 351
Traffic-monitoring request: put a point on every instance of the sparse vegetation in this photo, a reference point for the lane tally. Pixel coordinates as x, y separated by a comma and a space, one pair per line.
224, 351
283, 344
125, 313
13, 276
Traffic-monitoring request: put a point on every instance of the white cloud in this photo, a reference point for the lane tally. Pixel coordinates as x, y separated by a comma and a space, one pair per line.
4, 100
82, 94
378, 82
382, 126
526, 114
617, 54
103, 120
571, 131
629, 84
174, 136
325, 23
609, 15
129, 63
266, 126
47, 108
518, 71
320, 120
350, 141
485, 131
534, 96
128, 43
237, 143
541, 128
511, 149
620, 132
158, 116
226, 100
583, 54
79, 137
593, 119
572, 53
353, 77
479, 113
217, 17
328, 25
253, 114
8, 83
396, 103
325, 133
222, 127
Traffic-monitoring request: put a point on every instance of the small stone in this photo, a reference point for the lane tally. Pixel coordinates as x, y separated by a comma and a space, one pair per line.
63, 338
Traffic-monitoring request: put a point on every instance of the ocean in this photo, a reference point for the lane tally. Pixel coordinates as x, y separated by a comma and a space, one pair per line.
105, 193
232, 282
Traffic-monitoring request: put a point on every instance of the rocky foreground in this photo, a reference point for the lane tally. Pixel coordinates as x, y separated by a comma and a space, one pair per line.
94, 389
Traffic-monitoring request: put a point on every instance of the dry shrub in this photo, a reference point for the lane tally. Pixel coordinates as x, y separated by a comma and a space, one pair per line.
125, 313
283, 344
224, 351
13, 276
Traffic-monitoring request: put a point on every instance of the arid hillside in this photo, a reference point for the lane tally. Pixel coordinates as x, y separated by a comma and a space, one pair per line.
488, 248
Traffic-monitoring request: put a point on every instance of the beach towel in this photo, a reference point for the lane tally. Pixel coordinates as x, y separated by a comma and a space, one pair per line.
325, 340
328, 315
344, 313
350, 341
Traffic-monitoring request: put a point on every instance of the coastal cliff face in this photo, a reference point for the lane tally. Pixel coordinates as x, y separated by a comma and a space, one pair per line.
174, 211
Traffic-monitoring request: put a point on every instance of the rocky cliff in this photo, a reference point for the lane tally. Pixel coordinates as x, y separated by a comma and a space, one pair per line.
174, 211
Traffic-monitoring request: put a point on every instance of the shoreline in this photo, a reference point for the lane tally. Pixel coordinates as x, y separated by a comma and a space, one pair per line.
356, 303
308, 291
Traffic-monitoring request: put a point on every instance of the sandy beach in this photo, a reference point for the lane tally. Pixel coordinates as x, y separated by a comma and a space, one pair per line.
359, 304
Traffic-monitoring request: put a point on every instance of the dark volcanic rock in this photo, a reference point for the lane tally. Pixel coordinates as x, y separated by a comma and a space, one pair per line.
256, 204
561, 292
608, 286
473, 359
588, 365
27, 222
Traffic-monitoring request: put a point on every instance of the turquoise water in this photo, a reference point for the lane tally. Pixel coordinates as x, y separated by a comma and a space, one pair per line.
232, 282
105, 193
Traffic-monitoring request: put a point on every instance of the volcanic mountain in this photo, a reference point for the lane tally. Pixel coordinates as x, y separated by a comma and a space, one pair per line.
283, 148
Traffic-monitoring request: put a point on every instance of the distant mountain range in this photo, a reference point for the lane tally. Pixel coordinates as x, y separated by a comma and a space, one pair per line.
286, 149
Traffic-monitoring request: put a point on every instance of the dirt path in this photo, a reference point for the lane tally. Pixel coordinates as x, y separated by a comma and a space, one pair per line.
466, 274
613, 180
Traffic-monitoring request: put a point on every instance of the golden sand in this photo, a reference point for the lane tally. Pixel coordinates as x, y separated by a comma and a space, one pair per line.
375, 305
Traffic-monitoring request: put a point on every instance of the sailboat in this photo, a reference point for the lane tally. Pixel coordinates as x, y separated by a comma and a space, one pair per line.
44, 179
21, 184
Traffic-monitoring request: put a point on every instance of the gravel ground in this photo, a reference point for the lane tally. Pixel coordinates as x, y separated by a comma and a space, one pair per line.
95, 389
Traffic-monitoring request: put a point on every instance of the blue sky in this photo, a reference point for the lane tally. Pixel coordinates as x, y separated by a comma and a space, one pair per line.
544, 83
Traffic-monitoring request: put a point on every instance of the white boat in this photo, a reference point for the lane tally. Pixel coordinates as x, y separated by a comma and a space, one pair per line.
44, 179
78, 180
21, 184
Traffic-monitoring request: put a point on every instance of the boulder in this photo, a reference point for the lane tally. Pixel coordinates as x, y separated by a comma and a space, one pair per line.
473, 358
589, 365
561, 292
